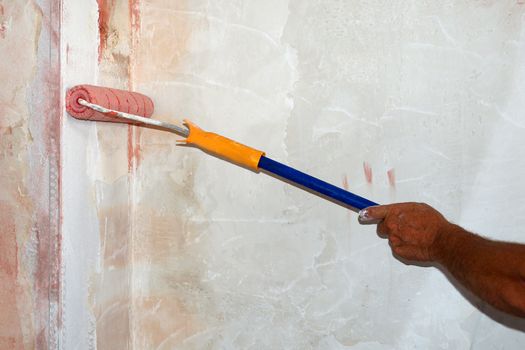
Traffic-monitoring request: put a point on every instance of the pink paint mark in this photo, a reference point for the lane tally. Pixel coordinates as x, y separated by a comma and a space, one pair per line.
134, 149
368, 172
345, 182
134, 15
345, 186
138, 148
10, 319
104, 15
131, 151
391, 177
520, 2
45, 191
134, 20
3, 28
3, 25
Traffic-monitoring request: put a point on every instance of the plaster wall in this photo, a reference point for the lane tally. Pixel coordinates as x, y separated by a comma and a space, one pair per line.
397, 101
29, 175
164, 247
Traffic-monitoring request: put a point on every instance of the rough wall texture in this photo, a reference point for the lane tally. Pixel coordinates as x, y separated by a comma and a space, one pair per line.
111, 288
99, 162
166, 247
29, 195
417, 100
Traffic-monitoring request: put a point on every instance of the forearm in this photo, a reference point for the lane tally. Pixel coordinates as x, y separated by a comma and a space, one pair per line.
492, 270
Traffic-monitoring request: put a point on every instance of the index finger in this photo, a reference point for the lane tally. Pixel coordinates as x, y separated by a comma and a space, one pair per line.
374, 213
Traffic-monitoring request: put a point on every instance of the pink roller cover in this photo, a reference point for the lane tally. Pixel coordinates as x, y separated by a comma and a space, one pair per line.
119, 100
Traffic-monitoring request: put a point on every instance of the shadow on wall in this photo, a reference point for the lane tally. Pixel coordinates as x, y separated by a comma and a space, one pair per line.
320, 195
496, 315
289, 182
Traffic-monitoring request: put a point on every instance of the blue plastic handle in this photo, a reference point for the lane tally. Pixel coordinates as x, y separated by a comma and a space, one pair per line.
314, 184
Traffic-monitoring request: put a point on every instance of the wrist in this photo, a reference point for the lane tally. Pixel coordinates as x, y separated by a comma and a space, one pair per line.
447, 242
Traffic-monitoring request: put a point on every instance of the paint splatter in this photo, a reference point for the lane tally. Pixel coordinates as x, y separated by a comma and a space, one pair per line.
134, 20
345, 182
10, 320
134, 15
104, 15
391, 174
3, 25
368, 172
134, 148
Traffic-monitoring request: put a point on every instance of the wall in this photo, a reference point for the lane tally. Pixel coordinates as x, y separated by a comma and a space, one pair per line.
29, 176
98, 167
162, 246
397, 101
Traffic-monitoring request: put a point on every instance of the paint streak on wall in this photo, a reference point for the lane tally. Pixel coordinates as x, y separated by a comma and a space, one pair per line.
391, 175
29, 198
197, 253
345, 182
18, 45
111, 289
3, 22
224, 258
367, 169
10, 323
105, 9
164, 258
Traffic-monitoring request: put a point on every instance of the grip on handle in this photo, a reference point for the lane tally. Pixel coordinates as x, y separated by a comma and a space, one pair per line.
223, 147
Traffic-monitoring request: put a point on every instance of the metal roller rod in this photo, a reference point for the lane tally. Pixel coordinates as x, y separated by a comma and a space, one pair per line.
178, 128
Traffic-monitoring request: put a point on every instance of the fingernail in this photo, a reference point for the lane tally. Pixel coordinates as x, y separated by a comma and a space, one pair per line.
363, 216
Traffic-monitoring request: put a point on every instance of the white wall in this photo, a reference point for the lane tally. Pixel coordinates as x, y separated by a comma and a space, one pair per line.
433, 90
80, 241
223, 258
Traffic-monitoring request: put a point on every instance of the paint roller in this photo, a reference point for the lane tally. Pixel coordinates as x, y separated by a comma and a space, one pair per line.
95, 103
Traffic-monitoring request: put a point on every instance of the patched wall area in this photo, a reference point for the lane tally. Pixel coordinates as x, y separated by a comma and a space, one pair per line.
397, 101
29, 175
116, 237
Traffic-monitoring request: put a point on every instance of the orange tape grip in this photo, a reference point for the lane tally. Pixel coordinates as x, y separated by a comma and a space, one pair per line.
223, 147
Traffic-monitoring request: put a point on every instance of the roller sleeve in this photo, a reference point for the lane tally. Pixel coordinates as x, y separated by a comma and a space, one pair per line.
120, 100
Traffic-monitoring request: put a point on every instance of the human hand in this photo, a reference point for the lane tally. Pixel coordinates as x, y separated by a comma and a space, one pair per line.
414, 230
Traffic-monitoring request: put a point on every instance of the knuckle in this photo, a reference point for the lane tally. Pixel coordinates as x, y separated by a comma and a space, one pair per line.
391, 225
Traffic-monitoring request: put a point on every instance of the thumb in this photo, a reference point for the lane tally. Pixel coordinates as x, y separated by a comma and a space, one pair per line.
373, 214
